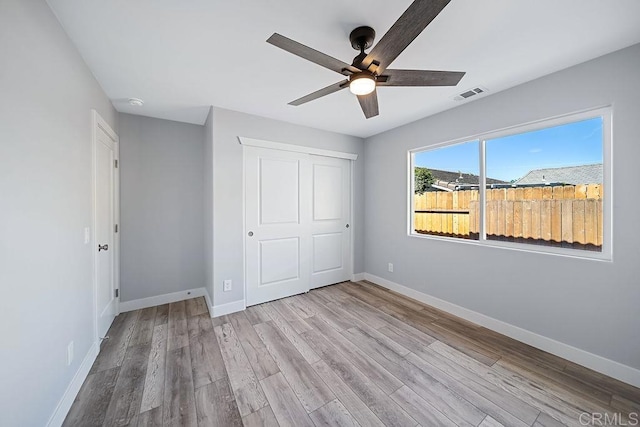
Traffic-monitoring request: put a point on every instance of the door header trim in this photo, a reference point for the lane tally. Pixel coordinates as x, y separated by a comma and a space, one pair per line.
295, 148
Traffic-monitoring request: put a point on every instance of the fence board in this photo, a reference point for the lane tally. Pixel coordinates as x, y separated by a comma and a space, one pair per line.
556, 222
508, 219
526, 219
578, 222
567, 228
535, 216
545, 220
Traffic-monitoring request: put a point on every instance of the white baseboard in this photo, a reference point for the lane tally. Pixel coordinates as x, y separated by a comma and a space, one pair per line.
600, 364
228, 308
207, 298
137, 304
69, 396
357, 277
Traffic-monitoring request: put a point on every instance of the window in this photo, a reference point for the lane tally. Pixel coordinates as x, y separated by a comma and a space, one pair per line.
539, 187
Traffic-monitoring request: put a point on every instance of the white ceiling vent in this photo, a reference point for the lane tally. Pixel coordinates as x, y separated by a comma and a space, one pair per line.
471, 93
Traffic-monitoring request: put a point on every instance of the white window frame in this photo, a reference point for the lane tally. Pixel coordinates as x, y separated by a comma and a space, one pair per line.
606, 113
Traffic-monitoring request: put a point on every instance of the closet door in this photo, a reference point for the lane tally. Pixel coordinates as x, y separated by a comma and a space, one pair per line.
330, 221
277, 224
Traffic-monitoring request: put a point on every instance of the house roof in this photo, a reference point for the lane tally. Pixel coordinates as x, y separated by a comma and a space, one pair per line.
451, 180
583, 174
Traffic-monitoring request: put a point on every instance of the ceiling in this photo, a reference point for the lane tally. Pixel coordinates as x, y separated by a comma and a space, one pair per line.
180, 57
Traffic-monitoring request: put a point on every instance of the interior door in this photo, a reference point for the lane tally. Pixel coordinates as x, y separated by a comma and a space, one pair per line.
330, 228
104, 169
277, 209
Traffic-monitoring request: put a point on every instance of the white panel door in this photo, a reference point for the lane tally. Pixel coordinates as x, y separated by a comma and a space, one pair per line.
277, 209
105, 297
331, 212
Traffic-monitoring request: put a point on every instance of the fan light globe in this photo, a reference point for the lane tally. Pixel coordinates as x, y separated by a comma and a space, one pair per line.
362, 84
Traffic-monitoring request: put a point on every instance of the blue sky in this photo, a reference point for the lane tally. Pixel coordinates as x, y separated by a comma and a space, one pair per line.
511, 157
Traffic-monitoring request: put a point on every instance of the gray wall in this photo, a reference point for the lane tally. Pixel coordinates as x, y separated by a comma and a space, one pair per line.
591, 305
228, 191
47, 94
161, 208
208, 204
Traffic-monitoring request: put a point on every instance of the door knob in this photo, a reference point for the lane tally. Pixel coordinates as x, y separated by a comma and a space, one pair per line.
250, 233
347, 225
103, 247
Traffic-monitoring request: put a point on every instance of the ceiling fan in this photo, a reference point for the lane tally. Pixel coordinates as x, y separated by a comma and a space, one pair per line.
369, 70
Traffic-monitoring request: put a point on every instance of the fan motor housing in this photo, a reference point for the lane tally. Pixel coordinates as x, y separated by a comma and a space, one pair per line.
362, 38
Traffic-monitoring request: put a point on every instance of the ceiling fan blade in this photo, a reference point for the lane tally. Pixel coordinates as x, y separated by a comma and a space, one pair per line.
312, 55
420, 78
322, 92
403, 32
369, 104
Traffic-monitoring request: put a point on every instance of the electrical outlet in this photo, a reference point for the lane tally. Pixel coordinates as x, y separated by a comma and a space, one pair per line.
390, 268
70, 353
226, 285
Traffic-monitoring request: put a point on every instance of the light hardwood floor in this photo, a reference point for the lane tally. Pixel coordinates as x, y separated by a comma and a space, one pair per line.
349, 354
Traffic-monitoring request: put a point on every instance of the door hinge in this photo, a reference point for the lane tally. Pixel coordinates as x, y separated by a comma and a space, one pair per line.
115, 163
116, 228
117, 293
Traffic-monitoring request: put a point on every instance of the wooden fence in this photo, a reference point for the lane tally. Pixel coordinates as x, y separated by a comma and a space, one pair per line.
568, 216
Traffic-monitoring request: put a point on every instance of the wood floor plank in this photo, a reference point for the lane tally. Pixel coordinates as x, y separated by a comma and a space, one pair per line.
306, 384
490, 422
349, 399
382, 341
178, 330
207, 364
391, 296
326, 313
408, 337
127, 394
261, 418
300, 306
245, 385
290, 316
150, 418
143, 331
377, 400
378, 374
420, 409
196, 306
152, 396
285, 327
199, 324
261, 361
90, 405
545, 420
162, 315
333, 414
256, 314
113, 350
179, 400
216, 405
283, 401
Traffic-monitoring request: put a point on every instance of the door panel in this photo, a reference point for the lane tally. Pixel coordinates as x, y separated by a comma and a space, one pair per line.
279, 261
327, 252
105, 155
331, 236
277, 215
279, 188
327, 183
